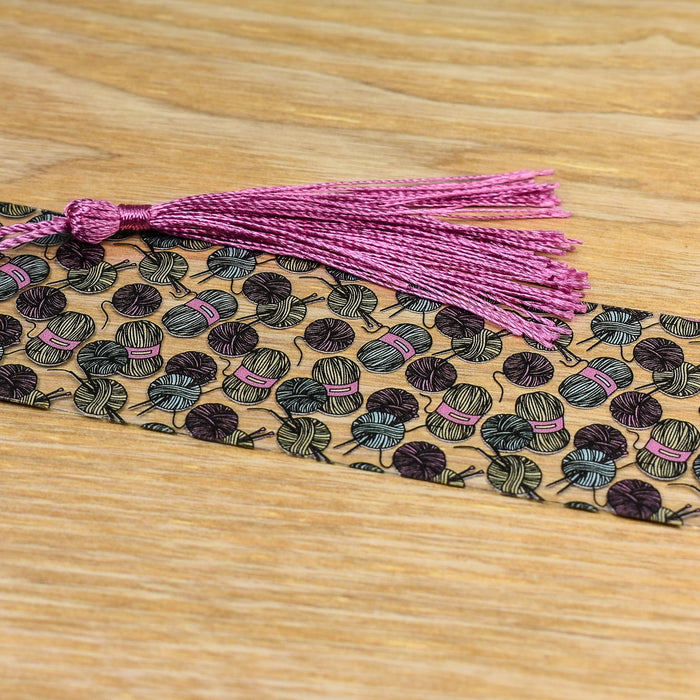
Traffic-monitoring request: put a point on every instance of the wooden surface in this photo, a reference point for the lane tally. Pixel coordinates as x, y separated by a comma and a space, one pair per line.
130, 568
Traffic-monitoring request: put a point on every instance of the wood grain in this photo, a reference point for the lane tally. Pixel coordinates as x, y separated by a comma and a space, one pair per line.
136, 566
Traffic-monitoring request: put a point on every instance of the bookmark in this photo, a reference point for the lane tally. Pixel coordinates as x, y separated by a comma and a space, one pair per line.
269, 350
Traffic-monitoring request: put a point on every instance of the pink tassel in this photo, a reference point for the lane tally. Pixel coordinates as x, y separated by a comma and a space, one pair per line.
392, 232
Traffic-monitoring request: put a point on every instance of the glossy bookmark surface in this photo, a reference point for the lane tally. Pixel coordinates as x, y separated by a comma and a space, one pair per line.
248, 350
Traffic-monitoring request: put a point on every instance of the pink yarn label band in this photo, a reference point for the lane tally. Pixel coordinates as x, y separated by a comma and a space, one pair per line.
142, 353
403, 346
549, 426
659, 450
455, 416
342, 389
207, 310
600, 378
17, 273
55, 341
252, 379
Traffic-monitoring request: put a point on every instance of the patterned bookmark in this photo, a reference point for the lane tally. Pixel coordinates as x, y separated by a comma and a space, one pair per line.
279, 353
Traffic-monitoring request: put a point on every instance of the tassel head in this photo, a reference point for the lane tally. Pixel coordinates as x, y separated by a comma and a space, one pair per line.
93, 221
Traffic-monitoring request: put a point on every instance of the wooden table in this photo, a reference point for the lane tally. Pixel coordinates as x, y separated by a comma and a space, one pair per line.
130, 569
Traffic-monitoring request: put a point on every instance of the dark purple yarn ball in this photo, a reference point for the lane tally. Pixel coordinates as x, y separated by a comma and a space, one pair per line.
604, 438
528, 369
41, 303
76, 255
419, 460
633, 498
10, 330
267, 288
16, 381
196, 365
211, 421
458, 323
634, 409
329, 335
136, 300
431, 374
658, 354
397, 402
232, 339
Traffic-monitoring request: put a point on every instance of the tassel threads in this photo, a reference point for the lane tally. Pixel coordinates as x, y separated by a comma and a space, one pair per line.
403, 234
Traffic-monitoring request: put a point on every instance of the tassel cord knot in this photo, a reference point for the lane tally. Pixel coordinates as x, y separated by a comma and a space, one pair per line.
93, 221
